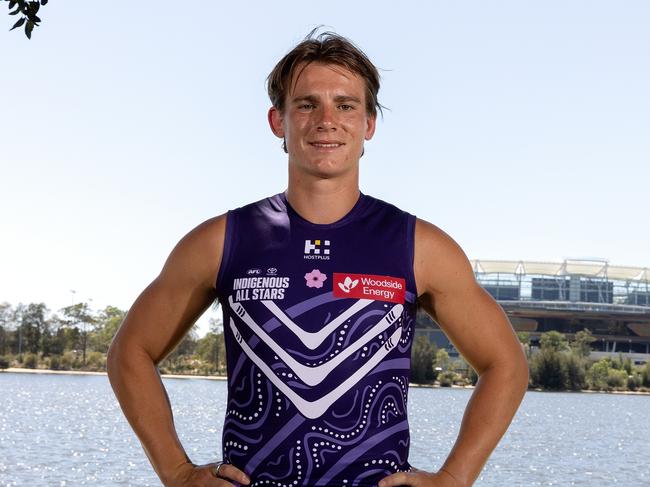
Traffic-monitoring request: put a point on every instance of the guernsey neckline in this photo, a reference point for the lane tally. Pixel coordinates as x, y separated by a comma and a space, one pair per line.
345, 219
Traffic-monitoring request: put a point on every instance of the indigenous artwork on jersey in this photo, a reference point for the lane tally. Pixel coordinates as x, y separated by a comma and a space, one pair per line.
324, 390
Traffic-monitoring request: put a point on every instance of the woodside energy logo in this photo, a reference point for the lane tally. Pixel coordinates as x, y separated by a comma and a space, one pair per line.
368, 286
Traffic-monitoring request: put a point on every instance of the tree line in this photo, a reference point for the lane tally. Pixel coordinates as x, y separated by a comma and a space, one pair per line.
78, 337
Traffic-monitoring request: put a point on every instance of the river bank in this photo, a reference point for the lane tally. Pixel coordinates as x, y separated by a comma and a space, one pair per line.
18, 370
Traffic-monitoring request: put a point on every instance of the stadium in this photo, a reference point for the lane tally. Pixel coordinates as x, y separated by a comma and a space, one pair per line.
613, 302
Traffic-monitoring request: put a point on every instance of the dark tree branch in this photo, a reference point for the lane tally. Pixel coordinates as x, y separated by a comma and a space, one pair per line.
28, 9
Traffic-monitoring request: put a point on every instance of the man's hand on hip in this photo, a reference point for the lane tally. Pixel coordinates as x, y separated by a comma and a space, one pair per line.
419, 478
190, 475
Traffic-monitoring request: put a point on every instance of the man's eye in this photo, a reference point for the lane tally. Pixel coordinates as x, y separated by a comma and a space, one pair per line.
346, 107
306, 106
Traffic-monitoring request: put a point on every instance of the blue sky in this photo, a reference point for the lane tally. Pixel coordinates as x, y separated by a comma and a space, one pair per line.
519, 128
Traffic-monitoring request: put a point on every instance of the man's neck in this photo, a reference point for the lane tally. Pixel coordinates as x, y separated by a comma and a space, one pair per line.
323, 201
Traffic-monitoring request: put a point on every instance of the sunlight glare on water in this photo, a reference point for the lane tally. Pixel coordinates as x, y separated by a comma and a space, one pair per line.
68, 430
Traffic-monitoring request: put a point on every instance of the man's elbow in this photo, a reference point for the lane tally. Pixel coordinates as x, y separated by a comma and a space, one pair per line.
113, 359
512, 370
518, 372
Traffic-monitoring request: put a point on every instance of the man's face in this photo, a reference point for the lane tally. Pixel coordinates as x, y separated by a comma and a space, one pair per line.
324, 121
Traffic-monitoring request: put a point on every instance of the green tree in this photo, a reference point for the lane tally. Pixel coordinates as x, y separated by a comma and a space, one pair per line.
620, 363
81, 315
69, 337
598, 373
211, 349
6, 322
176, 361
51, 342
575, 366
423, 355
27, 10
107, 323
547, 370
581, 343
442, 359
553, 340
33, 324
645, 374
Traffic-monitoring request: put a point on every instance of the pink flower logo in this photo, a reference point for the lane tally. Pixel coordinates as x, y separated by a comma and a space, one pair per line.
315, 278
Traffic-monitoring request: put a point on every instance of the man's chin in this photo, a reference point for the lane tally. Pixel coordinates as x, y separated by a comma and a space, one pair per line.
328, 168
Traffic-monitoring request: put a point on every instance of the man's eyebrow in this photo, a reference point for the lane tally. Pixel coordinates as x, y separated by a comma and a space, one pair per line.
310, 98
341, 98
338, 99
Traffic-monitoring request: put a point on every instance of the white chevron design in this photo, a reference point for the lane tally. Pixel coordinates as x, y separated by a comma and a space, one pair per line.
316, 374
315, 409
313, 339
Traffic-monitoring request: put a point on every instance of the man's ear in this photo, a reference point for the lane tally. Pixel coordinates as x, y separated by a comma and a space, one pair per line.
370, 126
275, 122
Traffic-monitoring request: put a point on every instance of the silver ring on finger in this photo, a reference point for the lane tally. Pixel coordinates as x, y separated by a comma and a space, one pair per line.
217, 467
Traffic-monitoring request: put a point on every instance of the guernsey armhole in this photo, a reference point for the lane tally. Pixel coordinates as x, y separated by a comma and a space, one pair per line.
410, 245
228, 244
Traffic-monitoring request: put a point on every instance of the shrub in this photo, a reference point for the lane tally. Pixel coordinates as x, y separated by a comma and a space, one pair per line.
553, 340
547, 370
634, 381
54, 362
206, 369
575, 368
616, 379
473, 376
30, 360
67, 360
76, 363
4, 362
447, 378
645, 374
423, 355
598, 373
96, 361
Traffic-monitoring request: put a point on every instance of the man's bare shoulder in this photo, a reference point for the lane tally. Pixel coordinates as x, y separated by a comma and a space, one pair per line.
197, 256
440, 264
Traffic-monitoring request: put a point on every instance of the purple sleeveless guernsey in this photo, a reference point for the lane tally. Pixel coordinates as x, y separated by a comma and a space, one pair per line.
318, 323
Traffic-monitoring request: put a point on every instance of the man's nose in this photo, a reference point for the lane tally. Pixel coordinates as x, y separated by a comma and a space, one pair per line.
326, 118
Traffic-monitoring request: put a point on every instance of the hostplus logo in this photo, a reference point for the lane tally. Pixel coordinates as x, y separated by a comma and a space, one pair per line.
317, 249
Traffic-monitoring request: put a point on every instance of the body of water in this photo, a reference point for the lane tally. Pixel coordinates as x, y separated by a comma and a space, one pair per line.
68, 430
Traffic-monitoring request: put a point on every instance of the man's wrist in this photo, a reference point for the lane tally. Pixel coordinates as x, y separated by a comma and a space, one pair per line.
453, 478
172, 475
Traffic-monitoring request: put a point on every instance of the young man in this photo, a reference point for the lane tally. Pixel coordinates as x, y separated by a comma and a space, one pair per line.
319, 287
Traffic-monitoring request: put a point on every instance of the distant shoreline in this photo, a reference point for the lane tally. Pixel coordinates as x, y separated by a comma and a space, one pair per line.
18, 370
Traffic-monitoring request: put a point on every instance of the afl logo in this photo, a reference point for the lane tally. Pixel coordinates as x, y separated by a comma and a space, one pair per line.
254, 272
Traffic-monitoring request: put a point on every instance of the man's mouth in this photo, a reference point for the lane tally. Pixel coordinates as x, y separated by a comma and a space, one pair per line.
326, 145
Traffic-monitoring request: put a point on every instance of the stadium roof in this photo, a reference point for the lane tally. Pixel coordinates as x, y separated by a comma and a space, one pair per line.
567, 267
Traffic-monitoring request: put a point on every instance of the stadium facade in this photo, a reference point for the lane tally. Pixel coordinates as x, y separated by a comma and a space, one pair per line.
613, 302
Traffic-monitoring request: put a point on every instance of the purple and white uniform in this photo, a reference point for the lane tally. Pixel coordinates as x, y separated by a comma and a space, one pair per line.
318, 323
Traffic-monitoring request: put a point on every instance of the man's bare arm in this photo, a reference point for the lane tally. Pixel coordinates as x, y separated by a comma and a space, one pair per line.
154, 325
480, 330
